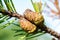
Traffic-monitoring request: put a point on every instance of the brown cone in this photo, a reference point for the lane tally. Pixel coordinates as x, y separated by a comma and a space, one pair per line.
27, 26
33, 16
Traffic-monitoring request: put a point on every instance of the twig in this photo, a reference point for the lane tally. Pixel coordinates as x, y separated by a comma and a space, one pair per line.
11, 14
50, 31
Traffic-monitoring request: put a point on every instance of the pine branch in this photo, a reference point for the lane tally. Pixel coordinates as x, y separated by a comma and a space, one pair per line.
3, 17
48, 30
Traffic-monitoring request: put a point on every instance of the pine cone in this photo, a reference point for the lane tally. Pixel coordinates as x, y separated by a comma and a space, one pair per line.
33, 16
27, 26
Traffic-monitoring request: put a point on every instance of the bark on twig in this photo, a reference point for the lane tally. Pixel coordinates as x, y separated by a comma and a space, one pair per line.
11, 14
50, 31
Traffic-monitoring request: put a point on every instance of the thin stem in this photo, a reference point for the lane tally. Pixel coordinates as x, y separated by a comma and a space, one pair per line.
50, 31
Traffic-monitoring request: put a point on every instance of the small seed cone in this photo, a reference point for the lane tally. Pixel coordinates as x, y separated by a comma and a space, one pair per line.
27, 26
33, 16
